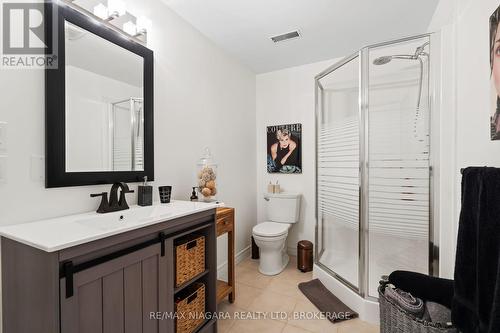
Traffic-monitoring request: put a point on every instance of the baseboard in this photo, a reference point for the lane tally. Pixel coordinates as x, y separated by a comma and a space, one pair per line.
292, 251
240, 256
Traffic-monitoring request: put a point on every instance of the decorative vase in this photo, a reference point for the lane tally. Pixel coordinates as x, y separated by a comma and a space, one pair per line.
207, 177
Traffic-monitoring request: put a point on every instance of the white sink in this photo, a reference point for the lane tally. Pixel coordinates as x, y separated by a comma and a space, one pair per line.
110, 221
135, 215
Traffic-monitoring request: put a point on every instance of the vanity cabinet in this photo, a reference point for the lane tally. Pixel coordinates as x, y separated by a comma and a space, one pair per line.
113, 296
119, 284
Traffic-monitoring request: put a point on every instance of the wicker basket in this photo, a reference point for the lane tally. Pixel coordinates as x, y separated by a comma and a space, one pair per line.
189, 258
393, 319
190, 308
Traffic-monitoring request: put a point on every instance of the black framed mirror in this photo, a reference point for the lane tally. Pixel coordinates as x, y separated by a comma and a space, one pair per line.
98, 104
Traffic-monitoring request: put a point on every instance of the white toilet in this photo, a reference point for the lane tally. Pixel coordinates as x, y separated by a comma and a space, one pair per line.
270, 236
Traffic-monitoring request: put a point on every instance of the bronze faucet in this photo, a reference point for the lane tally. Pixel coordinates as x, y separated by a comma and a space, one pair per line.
114, 203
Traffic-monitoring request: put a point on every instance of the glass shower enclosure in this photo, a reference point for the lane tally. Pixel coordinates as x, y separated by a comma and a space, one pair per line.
373, 164
127, 134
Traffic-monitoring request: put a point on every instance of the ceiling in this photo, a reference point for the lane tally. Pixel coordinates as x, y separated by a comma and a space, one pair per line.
329, 28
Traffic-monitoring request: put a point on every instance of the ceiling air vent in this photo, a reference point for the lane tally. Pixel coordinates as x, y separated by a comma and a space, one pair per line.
287, 36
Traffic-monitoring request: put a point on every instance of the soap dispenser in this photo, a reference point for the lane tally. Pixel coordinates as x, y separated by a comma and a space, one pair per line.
270, 188
194, 196
145, 194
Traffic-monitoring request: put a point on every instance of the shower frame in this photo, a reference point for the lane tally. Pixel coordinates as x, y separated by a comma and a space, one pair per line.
134, 123
363, 112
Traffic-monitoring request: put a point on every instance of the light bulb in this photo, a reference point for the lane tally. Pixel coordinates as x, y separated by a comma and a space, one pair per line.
143, 24
116, 8
101, 11
130, 28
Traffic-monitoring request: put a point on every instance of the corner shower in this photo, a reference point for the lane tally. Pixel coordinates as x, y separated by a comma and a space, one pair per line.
373, 165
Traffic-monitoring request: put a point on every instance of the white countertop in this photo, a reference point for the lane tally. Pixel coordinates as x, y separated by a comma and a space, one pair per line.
63, 232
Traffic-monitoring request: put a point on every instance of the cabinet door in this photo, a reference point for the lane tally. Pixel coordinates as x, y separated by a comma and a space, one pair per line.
118, 296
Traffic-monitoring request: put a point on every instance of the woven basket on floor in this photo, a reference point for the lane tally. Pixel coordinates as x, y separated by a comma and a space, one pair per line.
393, 319
190, 308
189, 258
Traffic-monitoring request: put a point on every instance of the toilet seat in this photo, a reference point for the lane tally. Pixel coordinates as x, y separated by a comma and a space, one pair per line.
270, 229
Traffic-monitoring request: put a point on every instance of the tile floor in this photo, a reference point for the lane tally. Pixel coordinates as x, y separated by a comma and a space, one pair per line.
259, 293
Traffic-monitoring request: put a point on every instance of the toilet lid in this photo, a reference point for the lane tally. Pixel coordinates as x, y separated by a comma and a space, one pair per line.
270, 229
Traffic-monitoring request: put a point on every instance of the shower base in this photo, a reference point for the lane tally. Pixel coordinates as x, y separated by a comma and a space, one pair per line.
367, 310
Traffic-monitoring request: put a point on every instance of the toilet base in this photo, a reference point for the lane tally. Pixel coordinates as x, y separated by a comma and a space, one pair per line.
271, 265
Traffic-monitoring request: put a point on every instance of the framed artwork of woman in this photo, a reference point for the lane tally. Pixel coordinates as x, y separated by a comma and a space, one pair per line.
284, 148
495, 74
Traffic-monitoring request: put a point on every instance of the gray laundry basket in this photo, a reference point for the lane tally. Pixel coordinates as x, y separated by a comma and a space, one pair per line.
393, 319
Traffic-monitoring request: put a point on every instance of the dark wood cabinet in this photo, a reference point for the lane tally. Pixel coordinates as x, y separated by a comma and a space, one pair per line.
120, 284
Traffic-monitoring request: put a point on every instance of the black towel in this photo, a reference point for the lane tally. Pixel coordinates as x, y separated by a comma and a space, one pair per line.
426, 287
476, 301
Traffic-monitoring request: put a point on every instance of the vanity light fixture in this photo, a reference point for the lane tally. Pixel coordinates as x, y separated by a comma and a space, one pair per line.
143, 25
130, 28
113, 10
101, 11
141, 28
116, 8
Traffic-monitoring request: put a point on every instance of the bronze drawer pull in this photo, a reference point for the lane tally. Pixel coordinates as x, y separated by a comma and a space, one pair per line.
191, 244
192, 297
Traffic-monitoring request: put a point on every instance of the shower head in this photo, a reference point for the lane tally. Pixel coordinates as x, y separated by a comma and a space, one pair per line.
419, 52
386, 59
382, 60
421, 49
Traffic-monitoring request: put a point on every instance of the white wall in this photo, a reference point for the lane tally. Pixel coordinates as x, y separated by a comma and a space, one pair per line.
474, 146
465, 107
203, 97
286, 97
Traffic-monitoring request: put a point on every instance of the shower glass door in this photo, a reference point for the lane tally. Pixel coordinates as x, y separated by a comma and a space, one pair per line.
338, 176
398, 154
373, 165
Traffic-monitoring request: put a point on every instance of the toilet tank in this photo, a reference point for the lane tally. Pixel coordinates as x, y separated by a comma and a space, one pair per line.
283, 207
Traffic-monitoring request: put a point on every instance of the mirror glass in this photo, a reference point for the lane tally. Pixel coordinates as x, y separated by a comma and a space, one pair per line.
104, 116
